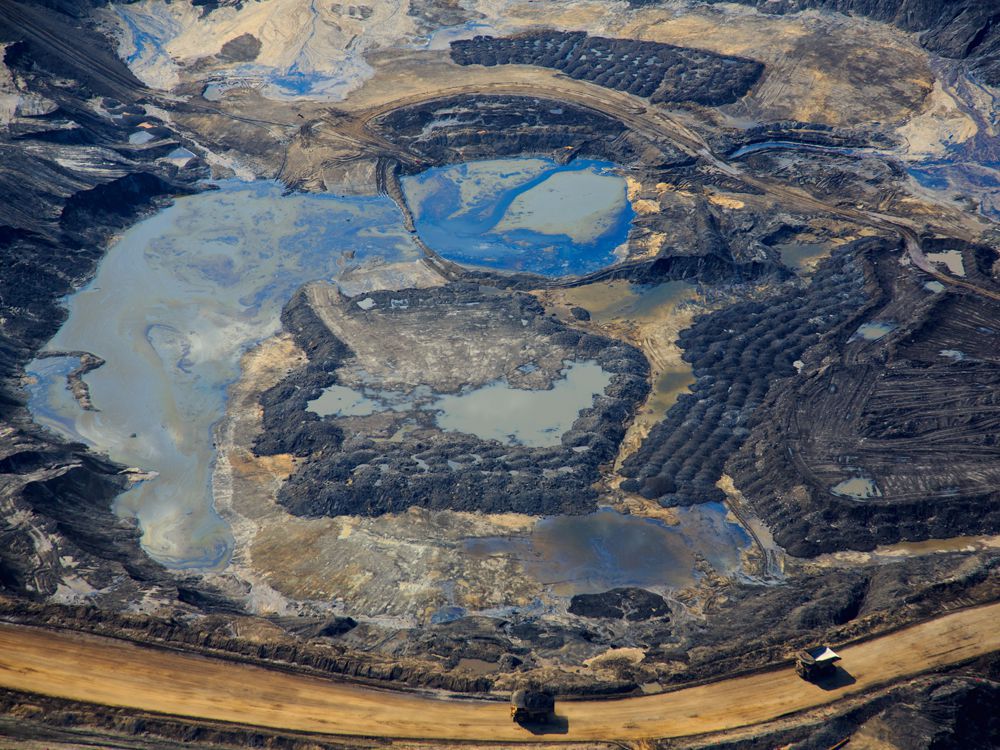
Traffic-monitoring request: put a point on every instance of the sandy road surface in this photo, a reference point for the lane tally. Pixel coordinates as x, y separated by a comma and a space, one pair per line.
110, 672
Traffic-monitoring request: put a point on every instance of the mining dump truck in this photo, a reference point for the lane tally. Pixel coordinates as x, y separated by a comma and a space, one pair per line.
816, 663
531, 706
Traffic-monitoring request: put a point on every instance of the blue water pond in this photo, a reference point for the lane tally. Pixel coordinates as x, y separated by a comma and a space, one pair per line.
529, 215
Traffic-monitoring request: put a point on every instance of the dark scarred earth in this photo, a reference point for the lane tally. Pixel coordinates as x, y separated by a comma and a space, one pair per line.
449, 346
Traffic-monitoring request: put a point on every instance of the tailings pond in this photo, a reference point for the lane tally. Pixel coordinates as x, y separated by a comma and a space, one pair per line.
496, 411
604, 550
523, 214
183, 294
174, 304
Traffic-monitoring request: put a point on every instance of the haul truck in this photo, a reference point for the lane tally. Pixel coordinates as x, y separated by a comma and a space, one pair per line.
531, 706
816, 663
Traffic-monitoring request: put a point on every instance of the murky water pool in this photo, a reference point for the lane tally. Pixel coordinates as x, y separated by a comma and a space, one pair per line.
174, 304
874, 330
603, 550
524, 417
802, 256
622, 300
859, 488
950, 259
497, 411
523, 214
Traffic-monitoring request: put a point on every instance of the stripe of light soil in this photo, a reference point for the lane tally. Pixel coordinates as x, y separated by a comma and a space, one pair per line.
116, 673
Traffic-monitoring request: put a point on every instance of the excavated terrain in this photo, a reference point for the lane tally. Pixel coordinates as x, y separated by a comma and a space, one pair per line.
827, 385
392, 460
659, 72
884, 411
736, 354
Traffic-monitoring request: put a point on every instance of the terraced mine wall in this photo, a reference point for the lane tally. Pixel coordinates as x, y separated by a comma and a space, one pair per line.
464, 128
349, 472
700, 243
660, 72
736, 354
877, 412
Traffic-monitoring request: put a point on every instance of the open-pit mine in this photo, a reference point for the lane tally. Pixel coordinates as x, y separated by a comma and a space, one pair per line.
375, 375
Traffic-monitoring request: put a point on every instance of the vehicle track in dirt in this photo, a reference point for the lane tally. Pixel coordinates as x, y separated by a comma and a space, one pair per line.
117, 673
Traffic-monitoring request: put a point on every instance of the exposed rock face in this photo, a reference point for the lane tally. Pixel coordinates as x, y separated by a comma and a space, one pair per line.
661, 72
960, 29
736, 354
628, 603
389, 460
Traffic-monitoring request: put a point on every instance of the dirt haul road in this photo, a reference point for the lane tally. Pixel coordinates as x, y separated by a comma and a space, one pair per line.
116, 673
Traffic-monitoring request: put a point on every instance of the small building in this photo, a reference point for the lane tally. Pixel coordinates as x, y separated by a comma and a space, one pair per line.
531, 706
816, 663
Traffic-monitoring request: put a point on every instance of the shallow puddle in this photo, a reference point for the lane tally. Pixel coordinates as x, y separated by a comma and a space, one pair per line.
604, 550
950, 259
497, 411
518, 416
873, 331
859, 488
341, 401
